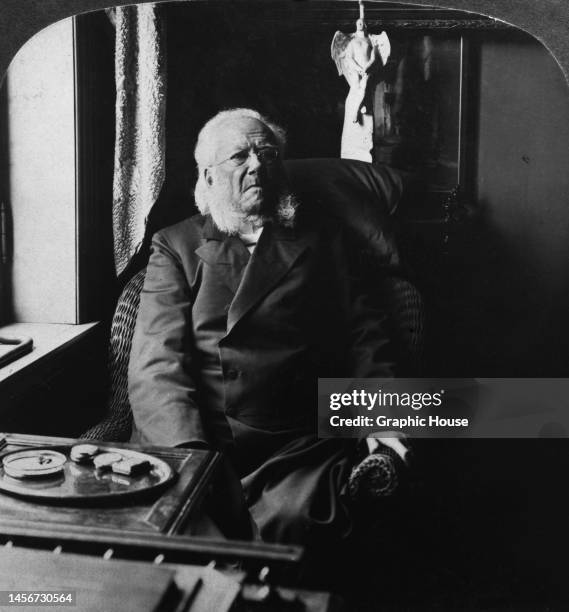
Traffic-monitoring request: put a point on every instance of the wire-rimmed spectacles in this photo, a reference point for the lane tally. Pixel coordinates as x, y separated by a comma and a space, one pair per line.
265, 155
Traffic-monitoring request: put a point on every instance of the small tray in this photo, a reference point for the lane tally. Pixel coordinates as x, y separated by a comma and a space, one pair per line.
13, 348
83, 483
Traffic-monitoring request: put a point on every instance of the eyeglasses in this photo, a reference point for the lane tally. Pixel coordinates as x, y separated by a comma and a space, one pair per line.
265, 155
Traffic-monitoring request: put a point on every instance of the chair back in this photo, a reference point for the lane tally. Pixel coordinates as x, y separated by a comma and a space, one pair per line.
406, 318
117, 424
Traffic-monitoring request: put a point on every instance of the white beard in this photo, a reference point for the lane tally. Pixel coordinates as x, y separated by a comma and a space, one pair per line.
229, 218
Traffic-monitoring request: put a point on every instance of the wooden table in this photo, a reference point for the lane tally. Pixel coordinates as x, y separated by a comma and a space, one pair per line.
166, 511
160, 526
135, 556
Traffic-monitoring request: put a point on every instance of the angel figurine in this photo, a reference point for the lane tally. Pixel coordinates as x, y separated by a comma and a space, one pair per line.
357, 56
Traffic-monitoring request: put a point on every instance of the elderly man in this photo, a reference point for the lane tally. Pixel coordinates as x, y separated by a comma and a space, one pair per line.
244, 306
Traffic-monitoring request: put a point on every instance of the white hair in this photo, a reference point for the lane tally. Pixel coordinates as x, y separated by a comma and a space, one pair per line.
203, 153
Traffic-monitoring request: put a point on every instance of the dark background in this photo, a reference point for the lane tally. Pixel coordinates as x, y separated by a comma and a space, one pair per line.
546, 20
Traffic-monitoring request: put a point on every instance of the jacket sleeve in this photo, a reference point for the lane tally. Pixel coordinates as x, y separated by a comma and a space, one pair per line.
162, 392
371, 347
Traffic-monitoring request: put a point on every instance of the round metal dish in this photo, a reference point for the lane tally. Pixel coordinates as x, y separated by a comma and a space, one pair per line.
34, 463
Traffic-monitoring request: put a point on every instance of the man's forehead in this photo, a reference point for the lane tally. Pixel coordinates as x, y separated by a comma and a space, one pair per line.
235, 131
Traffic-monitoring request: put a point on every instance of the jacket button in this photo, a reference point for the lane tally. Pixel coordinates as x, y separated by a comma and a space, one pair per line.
232, 374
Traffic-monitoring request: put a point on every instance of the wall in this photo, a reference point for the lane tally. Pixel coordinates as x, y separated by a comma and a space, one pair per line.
522, 181
41, 175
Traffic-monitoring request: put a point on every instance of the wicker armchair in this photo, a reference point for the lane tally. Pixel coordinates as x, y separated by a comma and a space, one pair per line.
117, 424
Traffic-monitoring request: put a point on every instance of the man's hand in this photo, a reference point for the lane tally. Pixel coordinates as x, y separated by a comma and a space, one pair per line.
393, 440
377, 475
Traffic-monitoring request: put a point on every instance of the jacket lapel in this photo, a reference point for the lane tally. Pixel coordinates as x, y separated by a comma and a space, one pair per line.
227, 253
275, 254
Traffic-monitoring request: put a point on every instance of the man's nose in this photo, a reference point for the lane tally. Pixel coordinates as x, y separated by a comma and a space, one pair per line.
253, 163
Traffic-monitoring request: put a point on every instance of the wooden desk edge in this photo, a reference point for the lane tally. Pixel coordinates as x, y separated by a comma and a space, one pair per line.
63, 337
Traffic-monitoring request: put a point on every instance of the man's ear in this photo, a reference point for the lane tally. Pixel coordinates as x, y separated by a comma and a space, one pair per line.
208, 176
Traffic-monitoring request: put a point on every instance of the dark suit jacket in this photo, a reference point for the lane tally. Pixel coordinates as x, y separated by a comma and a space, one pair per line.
228, 344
